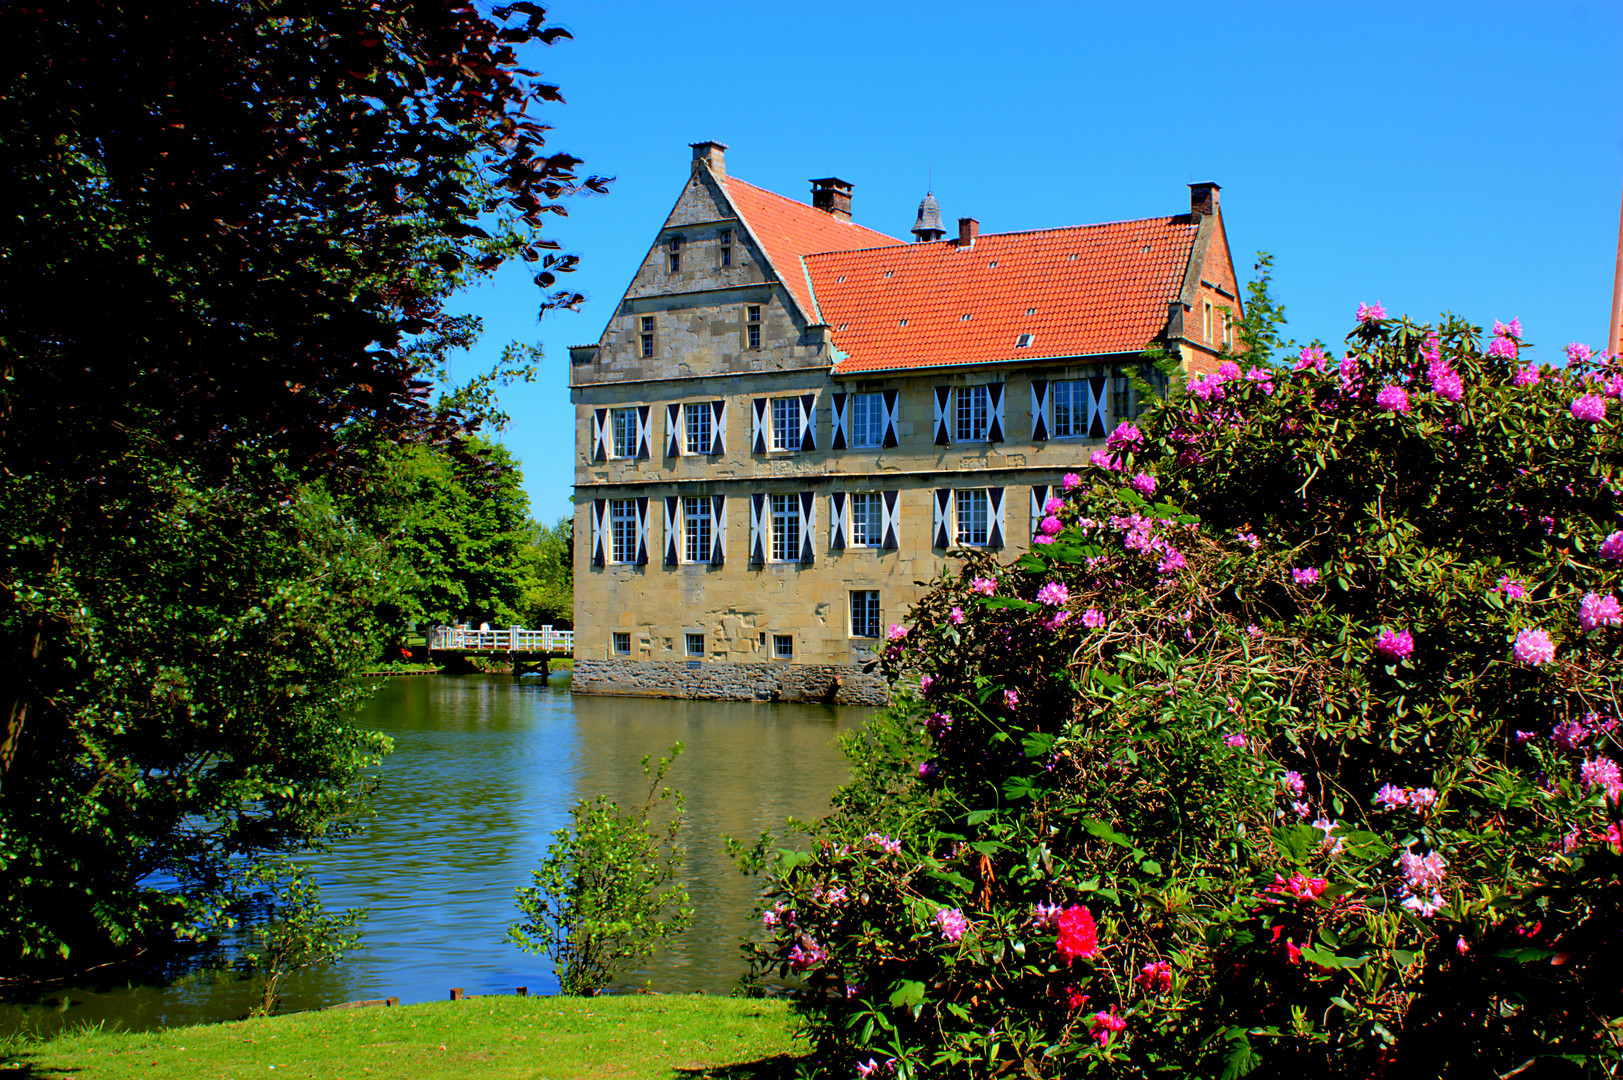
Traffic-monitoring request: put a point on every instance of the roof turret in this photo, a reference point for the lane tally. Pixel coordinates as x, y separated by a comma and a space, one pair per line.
928, 226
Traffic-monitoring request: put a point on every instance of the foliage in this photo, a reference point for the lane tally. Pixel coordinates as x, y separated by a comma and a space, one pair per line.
608, 892
548, 561
297, 932
222, 305
1262, 764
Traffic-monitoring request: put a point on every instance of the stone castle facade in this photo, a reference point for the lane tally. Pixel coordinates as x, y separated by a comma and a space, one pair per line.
792, 421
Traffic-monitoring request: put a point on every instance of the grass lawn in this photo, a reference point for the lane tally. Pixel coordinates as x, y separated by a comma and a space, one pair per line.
606, 1038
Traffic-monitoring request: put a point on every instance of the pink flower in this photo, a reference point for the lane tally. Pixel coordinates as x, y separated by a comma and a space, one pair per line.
1431, 348
1105, 1026
804, 959
1075, 998
1394, 646
1569, 734
1602, 772
952, 923
1060, 619
836, 896
925, 683
1525, 376
1228, 370
1594, 610
1126, 434
1390, 798
1050, 526
1512, 588
1611, 549
1144, 484
1042, 538
1092, 619
1293, 782
1422, 905
1590, 408
1011, 698
1461, 947
956, 616
1311, 358
1309, 576
1505, 349
1577, 354
897, 632
1078, 937
1331, 843
1103, 459
1045, 916
1207, 388
1053, 594
1262, 377
1299, 887
1155, 977
1422, 797
1071, 481
1445, 381
1053, 505
1422, 872
1393, 399
866, 1069
1368, 313
1514, 330
1533, 646
1173, 561
983, 585
1234, 741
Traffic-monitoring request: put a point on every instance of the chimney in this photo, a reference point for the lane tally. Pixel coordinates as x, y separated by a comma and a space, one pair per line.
713, 154
832, 196
968, 229
1203, 200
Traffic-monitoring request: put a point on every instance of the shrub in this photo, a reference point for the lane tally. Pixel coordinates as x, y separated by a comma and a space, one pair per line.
1291, 752
296, 932
608, 892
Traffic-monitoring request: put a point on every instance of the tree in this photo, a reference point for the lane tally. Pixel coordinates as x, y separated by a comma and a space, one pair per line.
549, 575
1291, 751
222, 306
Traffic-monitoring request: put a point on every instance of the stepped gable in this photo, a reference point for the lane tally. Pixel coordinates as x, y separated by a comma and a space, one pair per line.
788, 230
1091, 290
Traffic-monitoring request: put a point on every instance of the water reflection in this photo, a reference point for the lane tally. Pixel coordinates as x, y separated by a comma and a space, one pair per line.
484, 769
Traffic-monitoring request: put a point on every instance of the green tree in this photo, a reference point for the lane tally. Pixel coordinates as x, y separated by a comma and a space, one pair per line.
549, 575
223, 279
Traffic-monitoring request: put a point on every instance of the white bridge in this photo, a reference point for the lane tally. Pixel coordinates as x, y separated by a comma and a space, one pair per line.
515, 639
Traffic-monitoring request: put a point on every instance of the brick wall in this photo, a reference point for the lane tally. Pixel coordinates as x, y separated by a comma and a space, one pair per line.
829, 683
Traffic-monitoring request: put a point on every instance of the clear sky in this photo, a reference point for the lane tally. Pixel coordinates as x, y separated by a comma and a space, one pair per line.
1428, 156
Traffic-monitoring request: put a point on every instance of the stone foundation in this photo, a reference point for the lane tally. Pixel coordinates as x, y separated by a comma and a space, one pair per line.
827, 683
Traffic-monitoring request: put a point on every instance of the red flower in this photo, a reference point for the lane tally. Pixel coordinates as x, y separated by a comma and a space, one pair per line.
1075, 999
1077, 935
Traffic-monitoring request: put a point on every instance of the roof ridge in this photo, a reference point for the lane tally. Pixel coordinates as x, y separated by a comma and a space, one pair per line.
807, 207
985, 236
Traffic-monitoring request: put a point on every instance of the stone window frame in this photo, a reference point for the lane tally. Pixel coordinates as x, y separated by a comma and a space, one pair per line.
690, 638
673, 252
622, 528
697, 544
752, 325
624, 432
965, 501
785, 434
783, 526
724, 238
869, 618
647, 335
779, 644
616, 638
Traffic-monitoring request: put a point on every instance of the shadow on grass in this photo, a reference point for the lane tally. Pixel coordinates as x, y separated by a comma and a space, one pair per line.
776, 1067
25, 1065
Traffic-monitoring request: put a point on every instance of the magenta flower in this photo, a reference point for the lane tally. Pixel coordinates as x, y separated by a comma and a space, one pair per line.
1611, 548
1172, 561
1263, 378
1092, 619
1011, 698
866, 1069
1071, 481
1602, 772
1514, 330
1368, 313
925, 683
1045, 916
1590, 408
1144, 484
1525, 376
1394, 646
1105, 1026
1054, 593
1505, 349
1293, 782
1050, 526
1533, 646
1311, 358
1207, 388
897, 632
1422, 872
1234, 742
1053, 505
1569, 734
956, 616
1042, 538
1155, 977
804, 959
1445, 381
1393, 399
1126, 434
1390, 798
952, 923
1577, 353
1422, 797
1060, 619
1308, 576
1511, 587
1103, 459
1594, 610
983, 585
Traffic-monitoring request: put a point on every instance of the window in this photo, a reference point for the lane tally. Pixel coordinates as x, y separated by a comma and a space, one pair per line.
1121, 397
972, 517
1069, 400
785, 528
673, 248
623, 529
754, 323
693, 643
867, 420
1023, 341
1228, 329
726, 238
1206, 308
865, 613
973, 412
867, 520
696, 518
648, 335
783, 646
785, 423
698, 426
625, 432
622, 643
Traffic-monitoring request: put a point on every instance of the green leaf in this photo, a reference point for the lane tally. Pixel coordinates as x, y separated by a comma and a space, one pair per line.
908, 993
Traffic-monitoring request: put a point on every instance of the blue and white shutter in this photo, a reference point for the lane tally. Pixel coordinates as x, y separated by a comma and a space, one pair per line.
757, 530
808, 421
836, 521
642, 432
673, 515
600, 434
808, 526
839, 413
1039, 496
892, 402
944, 527
642, 531
943, 415
758, 423
673, 431
1039, 410
994, 412
718, 530
893, 518
599, 508
1097, 418
994, 517
718, 428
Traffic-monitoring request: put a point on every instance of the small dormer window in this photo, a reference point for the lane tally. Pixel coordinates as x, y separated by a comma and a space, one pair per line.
753, 322
725, 237
648, 335
673, 248
1023, 341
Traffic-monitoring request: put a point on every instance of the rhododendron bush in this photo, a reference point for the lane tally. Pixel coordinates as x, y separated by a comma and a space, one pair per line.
1290, 749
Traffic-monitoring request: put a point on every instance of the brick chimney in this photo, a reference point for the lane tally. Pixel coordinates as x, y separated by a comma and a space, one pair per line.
713, 154
1203, 199
968, 230
832, 196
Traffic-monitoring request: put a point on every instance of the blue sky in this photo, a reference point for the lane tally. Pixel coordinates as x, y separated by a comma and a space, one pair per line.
1429, 156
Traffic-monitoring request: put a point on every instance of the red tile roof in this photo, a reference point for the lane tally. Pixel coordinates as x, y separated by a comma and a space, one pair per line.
1089, 290
789, 230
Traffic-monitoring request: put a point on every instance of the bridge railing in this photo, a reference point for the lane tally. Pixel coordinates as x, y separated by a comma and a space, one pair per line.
512, 639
